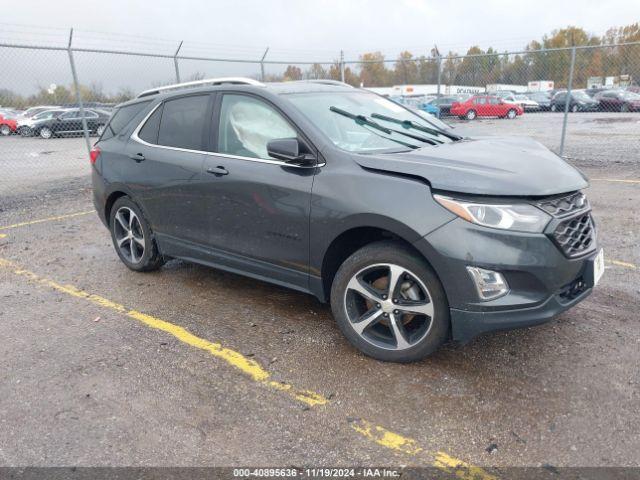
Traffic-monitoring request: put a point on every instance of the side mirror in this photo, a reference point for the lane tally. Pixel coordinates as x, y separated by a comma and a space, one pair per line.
288, 150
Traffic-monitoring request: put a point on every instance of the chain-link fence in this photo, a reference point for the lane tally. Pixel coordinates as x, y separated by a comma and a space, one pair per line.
582, 102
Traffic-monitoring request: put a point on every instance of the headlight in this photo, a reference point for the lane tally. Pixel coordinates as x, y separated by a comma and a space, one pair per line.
520, 217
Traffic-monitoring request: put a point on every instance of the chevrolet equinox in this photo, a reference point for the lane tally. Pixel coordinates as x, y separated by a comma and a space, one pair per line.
414, 233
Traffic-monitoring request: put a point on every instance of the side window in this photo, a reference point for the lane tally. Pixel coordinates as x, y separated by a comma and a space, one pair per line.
68, 115
149, 131
182, 122
495, 101
480, 101
248, 124
121, 119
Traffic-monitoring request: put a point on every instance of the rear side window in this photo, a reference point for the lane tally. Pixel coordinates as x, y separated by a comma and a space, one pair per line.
121, 119
149, 131
182, 122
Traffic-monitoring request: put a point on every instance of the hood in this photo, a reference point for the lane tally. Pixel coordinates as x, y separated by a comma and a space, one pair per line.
510, 166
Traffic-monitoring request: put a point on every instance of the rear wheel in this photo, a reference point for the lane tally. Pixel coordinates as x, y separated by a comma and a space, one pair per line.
5, 130
624, 107
100, 130
511, 114
575, 108
45, 132
554, 108
25, 131
389, 303
132, 237
471, 115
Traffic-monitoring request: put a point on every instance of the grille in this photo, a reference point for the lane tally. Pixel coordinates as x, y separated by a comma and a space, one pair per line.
576, 235
561, 206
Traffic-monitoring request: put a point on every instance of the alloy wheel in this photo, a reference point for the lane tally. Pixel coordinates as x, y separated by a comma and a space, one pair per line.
46, 133
511, 114
5, 130
100, 130
389, 306
129, 234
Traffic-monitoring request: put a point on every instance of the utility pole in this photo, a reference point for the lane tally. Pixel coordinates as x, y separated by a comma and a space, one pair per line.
342, 66
439, 68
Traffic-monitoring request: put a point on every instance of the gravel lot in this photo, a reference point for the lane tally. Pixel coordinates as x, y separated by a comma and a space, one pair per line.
90, 382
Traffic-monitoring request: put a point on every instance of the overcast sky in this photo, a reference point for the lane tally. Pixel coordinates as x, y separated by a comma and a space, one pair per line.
307, 29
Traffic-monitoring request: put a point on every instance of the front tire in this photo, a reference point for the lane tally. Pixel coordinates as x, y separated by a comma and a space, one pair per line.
575, 108
554, 108
511, 114
100, 130
624, 108
132, 237
389, 303
5, 130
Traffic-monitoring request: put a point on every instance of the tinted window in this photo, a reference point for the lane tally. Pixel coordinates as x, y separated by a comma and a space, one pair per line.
122, 117
182, 122
494, 100
480, 101
248, 124
70, 114
149, 132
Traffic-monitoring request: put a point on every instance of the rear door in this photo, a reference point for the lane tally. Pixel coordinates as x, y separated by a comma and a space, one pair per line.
257, 206
481, 107
163, 163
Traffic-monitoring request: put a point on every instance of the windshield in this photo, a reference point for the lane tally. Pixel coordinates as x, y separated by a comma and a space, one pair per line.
630, 95
47, 114
581, 95
360, 136
521, 97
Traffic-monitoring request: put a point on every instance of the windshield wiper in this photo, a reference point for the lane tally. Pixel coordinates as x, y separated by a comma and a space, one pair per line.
415, 126
362, 120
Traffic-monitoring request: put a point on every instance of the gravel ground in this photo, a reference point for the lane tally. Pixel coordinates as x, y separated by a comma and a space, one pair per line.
85, 384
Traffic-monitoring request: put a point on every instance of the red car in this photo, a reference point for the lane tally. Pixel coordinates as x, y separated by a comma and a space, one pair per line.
7, 125
485, 106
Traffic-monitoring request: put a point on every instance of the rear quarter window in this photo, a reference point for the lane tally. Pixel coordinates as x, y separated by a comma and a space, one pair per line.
121, 118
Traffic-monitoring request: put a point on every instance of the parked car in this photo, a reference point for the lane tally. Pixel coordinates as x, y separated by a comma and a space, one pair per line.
30, 112
70, 123
618, 101
413, 235
7, 125
543, 99
443, 104
525, 102
579, 101
28, 127
421, 102
486, 106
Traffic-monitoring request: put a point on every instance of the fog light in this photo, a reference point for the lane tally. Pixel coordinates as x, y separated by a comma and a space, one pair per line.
489, 284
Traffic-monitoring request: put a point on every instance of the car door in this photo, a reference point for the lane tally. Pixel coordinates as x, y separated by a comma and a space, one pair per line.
258, 206
162, 164
481, 107
496, 106
67, 122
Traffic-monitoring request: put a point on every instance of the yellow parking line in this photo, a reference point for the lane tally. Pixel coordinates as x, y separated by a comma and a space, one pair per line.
618, 180
48, 219
409, 446
259, 374
249, 367
623, 264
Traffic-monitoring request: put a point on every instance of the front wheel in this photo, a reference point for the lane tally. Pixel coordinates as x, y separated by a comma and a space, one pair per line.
471, 115
132, 237
5, 130
554, 108
511, 114
100, 130
46, 133
624, 107
389, 303
575, 108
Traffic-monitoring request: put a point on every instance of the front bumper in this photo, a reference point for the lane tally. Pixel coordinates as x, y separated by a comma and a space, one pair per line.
543, 281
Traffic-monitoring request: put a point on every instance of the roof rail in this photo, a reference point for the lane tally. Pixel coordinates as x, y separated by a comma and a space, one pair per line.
337, 83
206, 81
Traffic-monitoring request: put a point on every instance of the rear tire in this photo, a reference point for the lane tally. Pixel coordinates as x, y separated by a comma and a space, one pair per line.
100, 130
5, 130
575, 108
391, 334
624, 108
46, 133
471, 115
554, 108
132, 237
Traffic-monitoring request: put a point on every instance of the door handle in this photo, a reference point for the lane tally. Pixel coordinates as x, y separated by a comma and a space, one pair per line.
218, 171
138, 157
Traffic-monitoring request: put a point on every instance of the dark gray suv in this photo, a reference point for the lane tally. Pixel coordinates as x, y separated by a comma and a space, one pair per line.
414, 234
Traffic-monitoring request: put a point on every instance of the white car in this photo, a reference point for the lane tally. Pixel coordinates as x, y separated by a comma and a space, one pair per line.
525, 102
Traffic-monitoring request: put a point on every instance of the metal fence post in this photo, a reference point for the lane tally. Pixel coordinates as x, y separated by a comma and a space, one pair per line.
262, 64
76, 84
568, 100
342, 66
439, 73
175, 62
